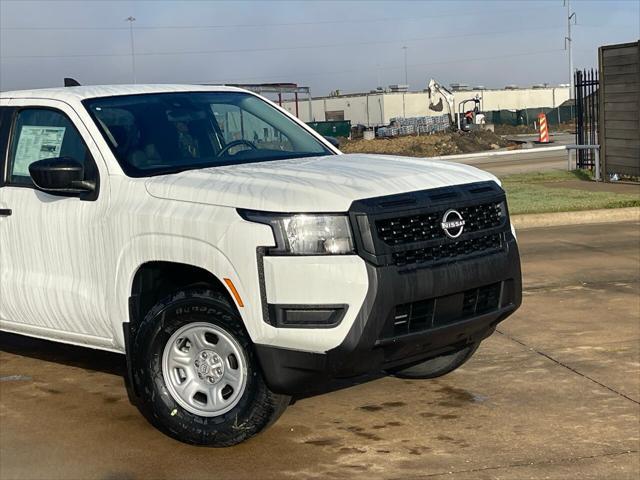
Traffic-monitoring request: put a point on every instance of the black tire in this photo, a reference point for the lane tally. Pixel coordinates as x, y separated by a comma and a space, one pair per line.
256, 409
438, 366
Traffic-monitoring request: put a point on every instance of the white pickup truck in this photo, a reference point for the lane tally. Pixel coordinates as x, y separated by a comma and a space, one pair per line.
234, 255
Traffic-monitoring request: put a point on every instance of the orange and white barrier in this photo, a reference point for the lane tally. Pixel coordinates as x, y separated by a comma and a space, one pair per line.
543, 128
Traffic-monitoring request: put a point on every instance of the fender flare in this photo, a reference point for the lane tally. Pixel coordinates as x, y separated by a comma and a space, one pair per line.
164, 248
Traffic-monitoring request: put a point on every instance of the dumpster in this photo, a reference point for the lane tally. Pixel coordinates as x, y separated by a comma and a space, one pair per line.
332, 129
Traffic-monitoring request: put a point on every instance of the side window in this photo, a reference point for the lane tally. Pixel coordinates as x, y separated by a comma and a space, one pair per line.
239, 124
44, 133
229, 120
264, 135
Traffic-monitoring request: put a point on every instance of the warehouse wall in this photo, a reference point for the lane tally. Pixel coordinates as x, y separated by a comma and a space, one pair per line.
518, 99
379, 108
407, 105
360, 109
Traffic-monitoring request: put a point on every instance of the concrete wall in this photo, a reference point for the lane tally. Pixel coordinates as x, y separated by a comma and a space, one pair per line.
379, 108
365, 109
407, 105
518, 99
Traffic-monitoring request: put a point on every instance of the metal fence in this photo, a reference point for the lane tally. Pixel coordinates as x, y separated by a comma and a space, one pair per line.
587, 110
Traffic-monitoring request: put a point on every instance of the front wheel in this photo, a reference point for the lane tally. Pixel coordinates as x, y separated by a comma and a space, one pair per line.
437, 367
196, 372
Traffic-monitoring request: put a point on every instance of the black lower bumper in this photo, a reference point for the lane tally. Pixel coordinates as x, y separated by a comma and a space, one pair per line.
372, 345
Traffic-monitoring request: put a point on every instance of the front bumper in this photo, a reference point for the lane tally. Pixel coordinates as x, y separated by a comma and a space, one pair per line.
371, 344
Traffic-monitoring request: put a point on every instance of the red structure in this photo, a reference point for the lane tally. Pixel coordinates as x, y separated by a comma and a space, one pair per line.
280, 89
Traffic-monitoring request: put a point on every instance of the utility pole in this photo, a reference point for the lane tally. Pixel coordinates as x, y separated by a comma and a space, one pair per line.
406, 76
131, 19
568, 44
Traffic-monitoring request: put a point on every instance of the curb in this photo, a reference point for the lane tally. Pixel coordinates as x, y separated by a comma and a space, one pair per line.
585, 217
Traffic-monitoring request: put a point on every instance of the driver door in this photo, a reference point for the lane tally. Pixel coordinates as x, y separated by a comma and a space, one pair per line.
52, 269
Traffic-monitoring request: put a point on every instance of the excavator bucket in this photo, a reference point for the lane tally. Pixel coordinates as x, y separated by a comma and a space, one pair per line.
436, 107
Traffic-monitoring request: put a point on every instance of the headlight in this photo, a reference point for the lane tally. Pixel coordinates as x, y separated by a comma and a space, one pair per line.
306, 234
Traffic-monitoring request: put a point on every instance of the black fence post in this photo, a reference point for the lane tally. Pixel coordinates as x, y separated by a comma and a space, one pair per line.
586, 105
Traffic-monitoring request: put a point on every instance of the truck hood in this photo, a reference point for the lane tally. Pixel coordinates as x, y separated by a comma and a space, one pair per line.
313, 184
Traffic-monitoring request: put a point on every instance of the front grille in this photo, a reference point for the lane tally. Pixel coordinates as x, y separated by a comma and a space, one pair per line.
406, 230
449, 251
413, 317
480, 300
421, 227
424, 315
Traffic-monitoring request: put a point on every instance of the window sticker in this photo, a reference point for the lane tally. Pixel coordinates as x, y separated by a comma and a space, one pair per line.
36, 143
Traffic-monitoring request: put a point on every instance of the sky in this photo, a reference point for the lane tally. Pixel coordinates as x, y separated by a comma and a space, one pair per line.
351, 46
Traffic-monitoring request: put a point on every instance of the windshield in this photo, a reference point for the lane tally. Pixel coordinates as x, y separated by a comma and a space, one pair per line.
153, 134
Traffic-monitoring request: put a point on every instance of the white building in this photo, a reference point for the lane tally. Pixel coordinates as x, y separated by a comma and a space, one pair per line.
378, 108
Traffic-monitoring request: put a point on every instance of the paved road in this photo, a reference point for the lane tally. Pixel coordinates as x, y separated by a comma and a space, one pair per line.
557, 138
525, 161
539, 158
555, 394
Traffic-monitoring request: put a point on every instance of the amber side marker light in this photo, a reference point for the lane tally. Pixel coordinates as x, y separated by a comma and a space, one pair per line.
236, 295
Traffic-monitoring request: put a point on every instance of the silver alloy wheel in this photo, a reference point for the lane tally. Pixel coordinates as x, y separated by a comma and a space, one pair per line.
205, 369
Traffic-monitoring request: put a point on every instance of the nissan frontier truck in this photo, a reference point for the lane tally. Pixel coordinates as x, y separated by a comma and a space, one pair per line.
235, 256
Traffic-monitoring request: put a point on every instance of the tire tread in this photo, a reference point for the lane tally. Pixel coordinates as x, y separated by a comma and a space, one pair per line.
258, 409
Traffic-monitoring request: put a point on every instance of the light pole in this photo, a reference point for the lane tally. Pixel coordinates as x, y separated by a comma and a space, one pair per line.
406, 76
568, 44
131, 19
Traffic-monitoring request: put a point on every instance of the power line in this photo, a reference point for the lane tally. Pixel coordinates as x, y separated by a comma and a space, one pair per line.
290, 47
391, 67
269, 25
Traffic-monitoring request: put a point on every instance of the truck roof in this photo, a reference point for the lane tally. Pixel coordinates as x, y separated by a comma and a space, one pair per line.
95, 91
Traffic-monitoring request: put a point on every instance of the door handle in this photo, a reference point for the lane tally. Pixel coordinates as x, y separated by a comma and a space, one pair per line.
5, 212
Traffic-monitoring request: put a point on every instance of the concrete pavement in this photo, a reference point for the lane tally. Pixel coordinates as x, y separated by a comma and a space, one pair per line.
514, 161
531, 158
554, 394
530, 140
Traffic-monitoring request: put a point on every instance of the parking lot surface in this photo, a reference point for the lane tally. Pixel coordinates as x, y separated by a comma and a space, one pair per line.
553, 394
516, 161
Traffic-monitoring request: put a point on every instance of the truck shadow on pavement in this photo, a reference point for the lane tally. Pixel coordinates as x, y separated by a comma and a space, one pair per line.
115, 363
71, 355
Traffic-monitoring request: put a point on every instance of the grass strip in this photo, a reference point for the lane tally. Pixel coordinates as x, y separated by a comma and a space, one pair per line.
527, 193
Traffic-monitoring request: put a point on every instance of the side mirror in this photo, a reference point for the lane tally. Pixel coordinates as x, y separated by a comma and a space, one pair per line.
61, 175
333, 141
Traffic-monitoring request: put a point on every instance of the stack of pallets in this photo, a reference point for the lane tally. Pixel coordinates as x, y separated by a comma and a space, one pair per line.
408, 126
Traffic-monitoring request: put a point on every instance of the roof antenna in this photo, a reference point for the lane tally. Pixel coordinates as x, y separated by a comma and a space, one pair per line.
71, 82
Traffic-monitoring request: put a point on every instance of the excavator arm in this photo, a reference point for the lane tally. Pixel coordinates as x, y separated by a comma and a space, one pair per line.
436, 94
